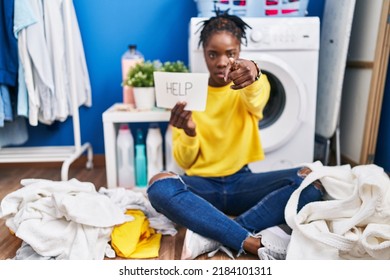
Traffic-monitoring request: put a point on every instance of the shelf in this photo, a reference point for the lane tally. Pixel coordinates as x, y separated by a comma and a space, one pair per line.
116, 114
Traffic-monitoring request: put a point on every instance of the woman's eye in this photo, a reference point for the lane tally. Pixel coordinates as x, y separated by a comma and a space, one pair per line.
231, 55
211, 55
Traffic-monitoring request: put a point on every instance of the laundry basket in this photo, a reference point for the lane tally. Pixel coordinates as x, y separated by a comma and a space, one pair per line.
254, 8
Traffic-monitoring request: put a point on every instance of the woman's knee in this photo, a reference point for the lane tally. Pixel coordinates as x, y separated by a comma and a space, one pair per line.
161, 175
163, 184
162, 187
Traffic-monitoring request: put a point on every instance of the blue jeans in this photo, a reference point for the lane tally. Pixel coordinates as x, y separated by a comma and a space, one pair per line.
204, 204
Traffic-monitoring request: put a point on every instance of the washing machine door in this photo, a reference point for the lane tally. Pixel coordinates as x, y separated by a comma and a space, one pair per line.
285, 110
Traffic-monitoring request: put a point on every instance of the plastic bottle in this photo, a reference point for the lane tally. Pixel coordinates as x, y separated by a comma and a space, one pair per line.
140, 160
125, 156
170, 163
130, 58
154, 150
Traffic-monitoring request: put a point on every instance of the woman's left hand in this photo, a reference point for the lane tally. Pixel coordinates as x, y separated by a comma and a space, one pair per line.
241, 72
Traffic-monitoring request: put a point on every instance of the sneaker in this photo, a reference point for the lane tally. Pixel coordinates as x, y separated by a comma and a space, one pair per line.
275, 241
196, 245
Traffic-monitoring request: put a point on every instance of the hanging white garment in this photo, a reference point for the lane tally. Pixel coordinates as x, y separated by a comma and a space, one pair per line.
56, 45
353, 223
35, 58
80, 70
23, 17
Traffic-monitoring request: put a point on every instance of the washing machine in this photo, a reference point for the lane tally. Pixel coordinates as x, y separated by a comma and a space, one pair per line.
287, 51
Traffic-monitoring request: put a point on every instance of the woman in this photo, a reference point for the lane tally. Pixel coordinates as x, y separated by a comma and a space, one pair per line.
214, 148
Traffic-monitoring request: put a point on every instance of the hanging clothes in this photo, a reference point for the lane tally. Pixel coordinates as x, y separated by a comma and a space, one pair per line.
80, 71
34, 56
23, 17
5, 105
8, 45
13, 129
53, 60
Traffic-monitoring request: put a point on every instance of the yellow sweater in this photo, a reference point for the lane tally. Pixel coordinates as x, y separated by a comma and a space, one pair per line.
227, 134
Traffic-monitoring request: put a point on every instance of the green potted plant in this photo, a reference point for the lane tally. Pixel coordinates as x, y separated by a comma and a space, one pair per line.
176, 66
140, 78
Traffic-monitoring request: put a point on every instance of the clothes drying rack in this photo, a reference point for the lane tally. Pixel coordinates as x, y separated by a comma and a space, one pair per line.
65, 154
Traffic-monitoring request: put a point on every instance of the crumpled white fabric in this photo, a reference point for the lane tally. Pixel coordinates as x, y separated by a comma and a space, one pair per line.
62, 219
129, 199
352, 223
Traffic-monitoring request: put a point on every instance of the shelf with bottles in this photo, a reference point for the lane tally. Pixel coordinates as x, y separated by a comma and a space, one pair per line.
112, 118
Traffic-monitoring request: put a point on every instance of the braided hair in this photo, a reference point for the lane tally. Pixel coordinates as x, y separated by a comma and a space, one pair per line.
222, 21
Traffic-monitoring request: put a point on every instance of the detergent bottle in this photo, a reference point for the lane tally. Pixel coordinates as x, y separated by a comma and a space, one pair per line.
154, 150
125, 157
140, 160
129, 59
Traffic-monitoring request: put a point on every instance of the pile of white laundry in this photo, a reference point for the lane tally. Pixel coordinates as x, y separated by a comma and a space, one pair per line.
353, 222
70, 219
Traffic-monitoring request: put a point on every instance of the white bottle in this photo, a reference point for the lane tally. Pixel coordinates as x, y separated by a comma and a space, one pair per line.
125, 157
154, 150
170, 163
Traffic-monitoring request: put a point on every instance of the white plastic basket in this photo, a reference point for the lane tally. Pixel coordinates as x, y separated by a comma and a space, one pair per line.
254, 8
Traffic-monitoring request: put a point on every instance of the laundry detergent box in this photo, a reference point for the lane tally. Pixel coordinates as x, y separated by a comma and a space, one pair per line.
172, 87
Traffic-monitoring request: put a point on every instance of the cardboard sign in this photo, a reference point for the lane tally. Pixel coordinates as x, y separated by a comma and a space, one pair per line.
173, 87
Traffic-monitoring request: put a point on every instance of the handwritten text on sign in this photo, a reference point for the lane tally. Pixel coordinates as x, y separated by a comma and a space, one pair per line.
179, 89
174, 87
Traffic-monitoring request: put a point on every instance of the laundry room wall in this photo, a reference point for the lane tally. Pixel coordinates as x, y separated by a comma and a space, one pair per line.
160, 30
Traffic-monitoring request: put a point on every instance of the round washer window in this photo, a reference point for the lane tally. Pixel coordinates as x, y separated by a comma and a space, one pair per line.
276, 103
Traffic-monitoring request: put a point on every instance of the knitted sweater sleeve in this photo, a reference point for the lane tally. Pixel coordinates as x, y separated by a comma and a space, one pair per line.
186, 148
256, 95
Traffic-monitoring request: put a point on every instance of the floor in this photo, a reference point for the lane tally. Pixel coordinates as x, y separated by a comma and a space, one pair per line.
11, 174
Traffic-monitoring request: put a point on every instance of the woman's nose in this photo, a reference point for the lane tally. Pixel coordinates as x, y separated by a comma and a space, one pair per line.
223, 61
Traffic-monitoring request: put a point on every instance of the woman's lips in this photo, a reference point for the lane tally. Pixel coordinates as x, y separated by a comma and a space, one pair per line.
220, 75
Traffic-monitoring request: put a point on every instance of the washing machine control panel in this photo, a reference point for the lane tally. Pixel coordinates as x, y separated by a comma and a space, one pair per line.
288, 35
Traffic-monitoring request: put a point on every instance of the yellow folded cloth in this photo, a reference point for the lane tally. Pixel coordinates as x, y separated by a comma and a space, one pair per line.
136, 239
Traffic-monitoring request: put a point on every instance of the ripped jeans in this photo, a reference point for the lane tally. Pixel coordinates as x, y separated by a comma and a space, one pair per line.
204, 204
